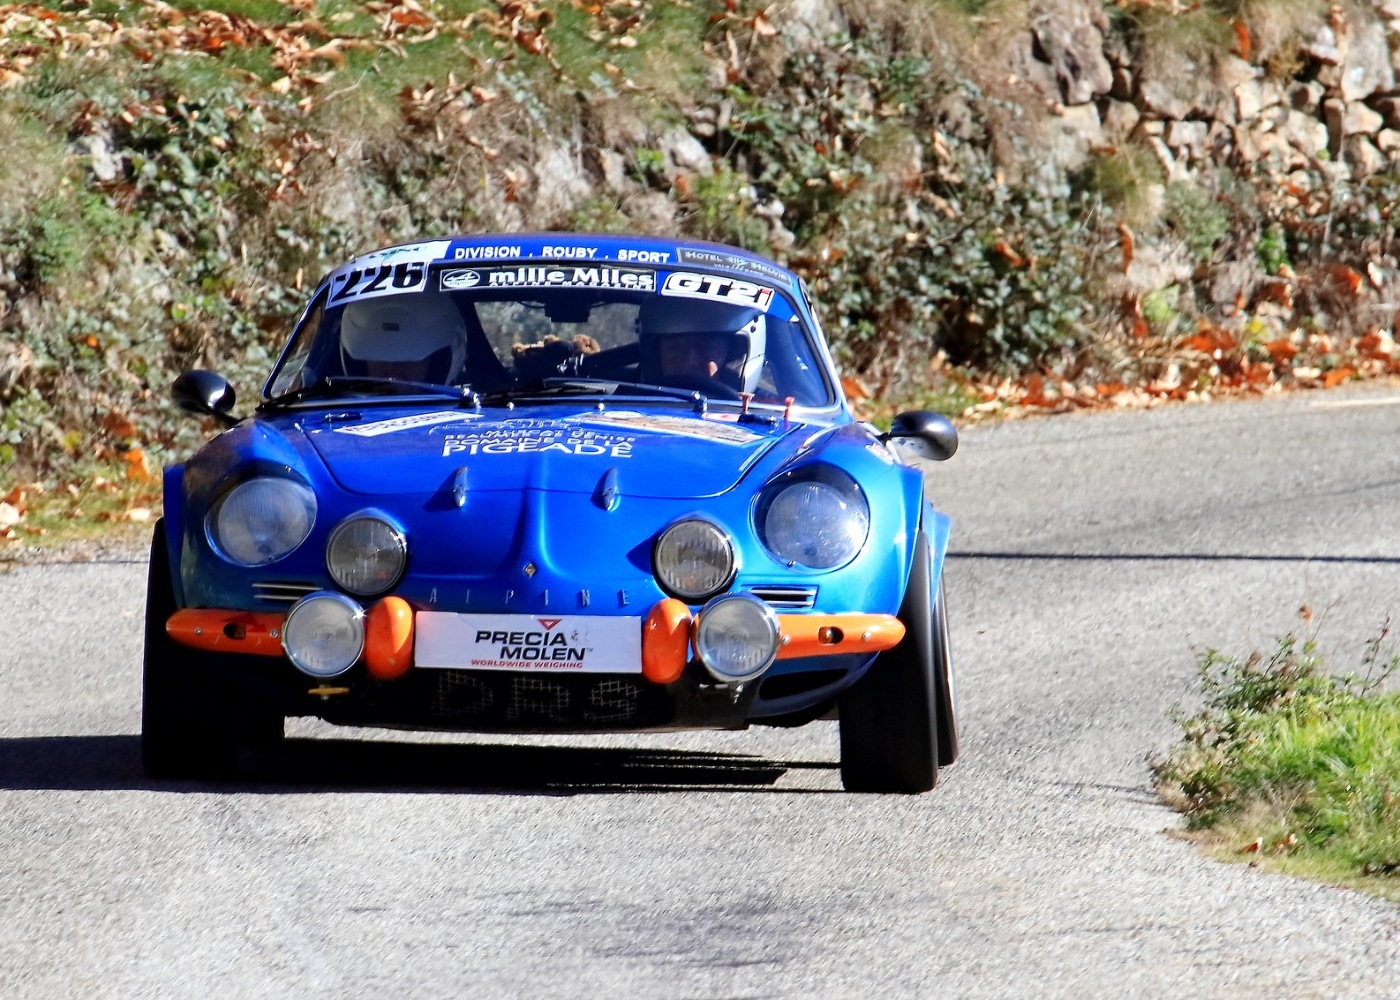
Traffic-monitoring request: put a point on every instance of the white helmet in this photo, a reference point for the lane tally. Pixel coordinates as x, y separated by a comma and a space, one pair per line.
406, 328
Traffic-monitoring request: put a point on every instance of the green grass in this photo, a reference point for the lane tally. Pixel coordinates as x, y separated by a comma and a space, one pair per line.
1294, 768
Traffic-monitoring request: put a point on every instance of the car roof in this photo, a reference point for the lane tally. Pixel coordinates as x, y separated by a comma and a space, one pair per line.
610, 247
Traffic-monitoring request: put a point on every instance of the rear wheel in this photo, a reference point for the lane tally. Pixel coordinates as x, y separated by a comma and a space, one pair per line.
889, 718
188, 722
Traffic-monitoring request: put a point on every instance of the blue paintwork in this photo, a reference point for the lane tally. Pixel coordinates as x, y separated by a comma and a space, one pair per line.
538, 503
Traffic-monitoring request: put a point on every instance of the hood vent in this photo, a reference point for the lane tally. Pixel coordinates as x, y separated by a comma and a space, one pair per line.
786, 598
282, 592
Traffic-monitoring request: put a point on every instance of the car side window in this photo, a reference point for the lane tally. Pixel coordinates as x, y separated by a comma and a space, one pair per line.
290, 376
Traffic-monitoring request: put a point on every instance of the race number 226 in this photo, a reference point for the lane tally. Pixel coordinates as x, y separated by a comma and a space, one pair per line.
362, 283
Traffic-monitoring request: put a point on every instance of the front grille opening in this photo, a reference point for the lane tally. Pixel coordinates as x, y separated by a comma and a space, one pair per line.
535, 697
459, 696
613, 700
787, 685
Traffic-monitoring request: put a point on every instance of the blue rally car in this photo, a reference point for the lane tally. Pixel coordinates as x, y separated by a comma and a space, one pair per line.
552, 484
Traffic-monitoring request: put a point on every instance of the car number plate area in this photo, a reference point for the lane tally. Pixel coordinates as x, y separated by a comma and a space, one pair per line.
569, 643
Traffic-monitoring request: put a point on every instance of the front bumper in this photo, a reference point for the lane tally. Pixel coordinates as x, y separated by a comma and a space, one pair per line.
672, 691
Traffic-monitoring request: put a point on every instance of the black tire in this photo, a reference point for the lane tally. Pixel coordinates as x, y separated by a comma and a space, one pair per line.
188, 723
889, 718
943, 679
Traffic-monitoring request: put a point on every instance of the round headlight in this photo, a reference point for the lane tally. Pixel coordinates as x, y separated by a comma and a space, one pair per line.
736, 637
261, 520
816, 517
366, 555
324, 634
693, 560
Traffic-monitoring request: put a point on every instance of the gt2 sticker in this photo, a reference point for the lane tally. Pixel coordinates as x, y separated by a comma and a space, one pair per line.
539, 441
379, 427
394, 271
731, 291
565, 276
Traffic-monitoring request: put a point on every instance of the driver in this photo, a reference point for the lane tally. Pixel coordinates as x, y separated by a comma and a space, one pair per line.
420, 338
685, 342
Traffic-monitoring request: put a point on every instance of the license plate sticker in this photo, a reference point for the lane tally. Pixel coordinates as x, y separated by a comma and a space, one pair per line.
570, 643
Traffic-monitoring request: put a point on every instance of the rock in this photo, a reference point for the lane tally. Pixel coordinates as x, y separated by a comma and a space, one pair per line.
807, 24
1187, 138
1122, 89
1388, 141
1074, 48
560, 183
1348, 119
1174, 170
1234, 281
1231, 71
1306, 97
1162, 97
1366, 65
105, 165
613, 166
1270, 94
683, 153
1389, 9
1119, 120
1389, 108
1153, 267
1249, 100
1304, 133
1324, 47
1363, 158
1070, 135
652, 212
1040, 75
1361, 120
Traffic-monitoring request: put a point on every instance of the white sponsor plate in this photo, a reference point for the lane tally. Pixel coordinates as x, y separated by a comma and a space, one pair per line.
591, 644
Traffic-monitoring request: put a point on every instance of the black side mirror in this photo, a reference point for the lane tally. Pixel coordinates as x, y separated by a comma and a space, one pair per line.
205, 392
924, 434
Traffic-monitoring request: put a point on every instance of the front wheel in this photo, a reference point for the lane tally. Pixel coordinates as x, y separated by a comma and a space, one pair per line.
188, 726
889, 718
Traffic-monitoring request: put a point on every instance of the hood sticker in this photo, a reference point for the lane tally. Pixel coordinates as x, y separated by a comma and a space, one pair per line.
379, 427
686, 426
539, 440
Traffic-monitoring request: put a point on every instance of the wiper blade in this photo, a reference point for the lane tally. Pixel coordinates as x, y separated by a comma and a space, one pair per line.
556, 387
333, 386
550, 387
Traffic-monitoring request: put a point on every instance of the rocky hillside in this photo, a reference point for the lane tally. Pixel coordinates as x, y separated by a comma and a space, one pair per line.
1050, 205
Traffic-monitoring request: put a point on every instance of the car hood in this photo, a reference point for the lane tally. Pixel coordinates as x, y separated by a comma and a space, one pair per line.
662, 454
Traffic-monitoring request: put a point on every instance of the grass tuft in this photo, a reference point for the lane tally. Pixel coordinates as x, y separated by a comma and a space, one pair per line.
1292, 767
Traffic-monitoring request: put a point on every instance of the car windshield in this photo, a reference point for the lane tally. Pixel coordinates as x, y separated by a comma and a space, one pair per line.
552, 330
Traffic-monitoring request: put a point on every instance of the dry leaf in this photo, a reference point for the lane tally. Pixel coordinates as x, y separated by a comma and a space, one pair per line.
138, 514
9, 515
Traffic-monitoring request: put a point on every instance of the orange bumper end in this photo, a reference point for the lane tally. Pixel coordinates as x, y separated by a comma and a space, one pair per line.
389, 638
666, 641
255, 633
667, 631
825, 635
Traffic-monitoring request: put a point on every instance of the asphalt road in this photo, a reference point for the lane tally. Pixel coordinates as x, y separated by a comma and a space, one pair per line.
1095, 553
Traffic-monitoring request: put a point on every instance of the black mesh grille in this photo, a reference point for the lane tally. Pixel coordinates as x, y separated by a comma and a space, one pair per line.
531, 701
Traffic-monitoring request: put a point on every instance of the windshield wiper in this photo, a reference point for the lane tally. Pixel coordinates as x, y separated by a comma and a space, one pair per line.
546, 388
335, 386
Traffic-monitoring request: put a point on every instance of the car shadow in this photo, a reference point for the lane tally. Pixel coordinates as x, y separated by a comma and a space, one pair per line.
113, 763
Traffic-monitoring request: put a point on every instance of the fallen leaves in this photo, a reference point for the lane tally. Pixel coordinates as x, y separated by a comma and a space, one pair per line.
307, 51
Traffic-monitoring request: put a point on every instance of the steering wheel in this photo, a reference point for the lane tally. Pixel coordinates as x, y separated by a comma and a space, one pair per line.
701, 383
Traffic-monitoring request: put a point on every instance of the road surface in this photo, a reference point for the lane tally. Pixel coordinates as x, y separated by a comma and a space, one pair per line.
1095, 554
